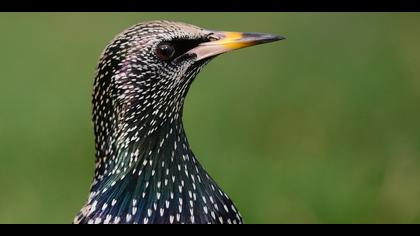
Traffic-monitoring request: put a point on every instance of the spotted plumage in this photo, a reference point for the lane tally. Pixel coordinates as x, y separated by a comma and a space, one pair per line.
145, 170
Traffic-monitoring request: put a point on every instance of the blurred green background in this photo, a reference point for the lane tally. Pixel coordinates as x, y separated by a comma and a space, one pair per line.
323, 127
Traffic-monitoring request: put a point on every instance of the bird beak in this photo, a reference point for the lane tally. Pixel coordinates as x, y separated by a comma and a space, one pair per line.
222, 42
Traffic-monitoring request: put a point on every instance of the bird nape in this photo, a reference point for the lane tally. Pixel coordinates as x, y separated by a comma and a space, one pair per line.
145, 170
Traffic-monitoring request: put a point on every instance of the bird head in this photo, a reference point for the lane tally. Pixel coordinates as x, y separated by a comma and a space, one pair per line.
151, 65
145, 72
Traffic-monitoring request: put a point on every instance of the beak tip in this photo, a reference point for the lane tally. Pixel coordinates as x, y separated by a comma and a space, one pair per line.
277, 37
262, 38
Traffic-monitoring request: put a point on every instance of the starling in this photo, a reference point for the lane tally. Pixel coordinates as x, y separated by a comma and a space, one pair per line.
145, 170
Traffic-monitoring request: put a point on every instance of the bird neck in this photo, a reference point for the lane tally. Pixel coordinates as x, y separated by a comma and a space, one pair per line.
154, 177
145, 148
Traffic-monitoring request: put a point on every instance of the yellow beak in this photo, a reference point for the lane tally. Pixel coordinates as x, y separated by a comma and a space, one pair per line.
227, 41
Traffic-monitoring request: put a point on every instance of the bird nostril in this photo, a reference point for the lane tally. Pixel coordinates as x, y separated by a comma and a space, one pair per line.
212, 37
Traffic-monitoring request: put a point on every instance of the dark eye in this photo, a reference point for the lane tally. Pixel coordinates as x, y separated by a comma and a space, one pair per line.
165, 51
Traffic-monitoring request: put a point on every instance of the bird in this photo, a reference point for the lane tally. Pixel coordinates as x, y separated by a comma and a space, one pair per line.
145, 170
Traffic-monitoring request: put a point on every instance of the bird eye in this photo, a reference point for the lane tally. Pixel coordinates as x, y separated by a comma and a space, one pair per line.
165, 51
